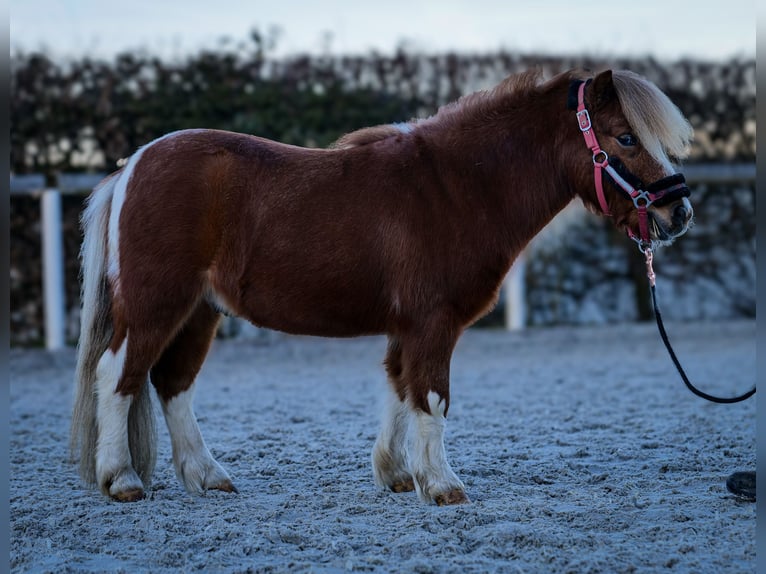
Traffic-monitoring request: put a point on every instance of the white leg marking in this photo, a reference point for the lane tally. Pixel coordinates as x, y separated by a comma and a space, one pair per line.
426, 456
389, 465
118, 199
114, 470
195, 466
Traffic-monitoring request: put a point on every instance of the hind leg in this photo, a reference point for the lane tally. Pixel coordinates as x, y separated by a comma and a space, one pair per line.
389, 465
114, 469
126, 445
173, 376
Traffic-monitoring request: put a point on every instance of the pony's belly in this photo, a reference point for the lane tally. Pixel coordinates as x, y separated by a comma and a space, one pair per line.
316, 323
324, 314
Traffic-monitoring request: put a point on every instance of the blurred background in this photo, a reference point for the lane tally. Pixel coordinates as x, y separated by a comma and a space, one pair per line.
92, 81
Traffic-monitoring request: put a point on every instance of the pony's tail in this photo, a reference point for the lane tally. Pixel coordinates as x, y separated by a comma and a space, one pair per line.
96, 332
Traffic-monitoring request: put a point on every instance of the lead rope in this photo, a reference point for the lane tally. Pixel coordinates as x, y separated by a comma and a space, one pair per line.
650, 274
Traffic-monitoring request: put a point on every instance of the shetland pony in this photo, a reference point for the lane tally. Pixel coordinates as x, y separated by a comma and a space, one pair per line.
406, 230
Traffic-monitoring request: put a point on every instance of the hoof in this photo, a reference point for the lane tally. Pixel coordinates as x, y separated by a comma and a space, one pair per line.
224, 486
122, 485
201, 472
132, 495
454, 496
404, 486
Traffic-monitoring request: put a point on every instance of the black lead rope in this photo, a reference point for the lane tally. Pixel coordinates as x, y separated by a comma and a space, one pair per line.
664, 335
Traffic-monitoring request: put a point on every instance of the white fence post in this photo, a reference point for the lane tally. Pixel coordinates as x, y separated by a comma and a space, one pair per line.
515, 296
53, 269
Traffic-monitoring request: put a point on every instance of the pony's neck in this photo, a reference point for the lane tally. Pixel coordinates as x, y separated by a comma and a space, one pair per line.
512, 158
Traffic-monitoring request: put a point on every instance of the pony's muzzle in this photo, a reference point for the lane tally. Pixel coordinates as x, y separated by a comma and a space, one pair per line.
671, 220
681, 216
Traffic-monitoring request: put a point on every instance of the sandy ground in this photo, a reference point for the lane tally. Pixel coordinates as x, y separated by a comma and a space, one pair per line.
580, 449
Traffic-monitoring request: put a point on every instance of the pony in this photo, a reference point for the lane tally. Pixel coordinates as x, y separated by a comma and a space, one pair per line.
405, 230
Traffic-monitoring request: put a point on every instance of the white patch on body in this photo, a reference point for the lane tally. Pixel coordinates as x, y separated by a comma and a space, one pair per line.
404, 127
114, 470
396, 307
426, 456
195, 466
217, 300
118, 199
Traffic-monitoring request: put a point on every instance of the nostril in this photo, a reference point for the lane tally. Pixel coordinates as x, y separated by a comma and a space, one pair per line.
680, 215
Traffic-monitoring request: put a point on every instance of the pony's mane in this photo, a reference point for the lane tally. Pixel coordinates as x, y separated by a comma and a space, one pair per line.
366, 136
474, 105
657, 122
482, 103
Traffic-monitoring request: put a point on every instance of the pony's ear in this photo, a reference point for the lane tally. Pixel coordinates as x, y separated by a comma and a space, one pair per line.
602, 89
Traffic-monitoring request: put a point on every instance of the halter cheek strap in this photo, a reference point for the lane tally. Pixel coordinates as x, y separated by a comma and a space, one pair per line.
641, 199
583, 119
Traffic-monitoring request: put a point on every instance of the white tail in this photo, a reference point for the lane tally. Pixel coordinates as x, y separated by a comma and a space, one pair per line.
95, 336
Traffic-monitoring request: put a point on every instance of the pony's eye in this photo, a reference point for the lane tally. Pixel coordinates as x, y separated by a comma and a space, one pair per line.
627, 140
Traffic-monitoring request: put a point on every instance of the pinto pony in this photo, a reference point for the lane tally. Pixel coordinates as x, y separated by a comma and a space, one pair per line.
406, 230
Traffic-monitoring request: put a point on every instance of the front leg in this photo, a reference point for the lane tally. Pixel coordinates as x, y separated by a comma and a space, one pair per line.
427, 459
389, 463
421, 376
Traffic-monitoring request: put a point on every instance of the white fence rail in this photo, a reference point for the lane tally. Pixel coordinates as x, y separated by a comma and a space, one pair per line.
53, 252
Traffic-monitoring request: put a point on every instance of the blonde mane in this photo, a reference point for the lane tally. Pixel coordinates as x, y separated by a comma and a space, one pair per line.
657, 122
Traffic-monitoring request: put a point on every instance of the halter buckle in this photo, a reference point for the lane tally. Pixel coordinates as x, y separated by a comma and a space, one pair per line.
583, 119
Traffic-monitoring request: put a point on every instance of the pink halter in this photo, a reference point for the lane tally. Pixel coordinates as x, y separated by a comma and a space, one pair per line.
667, 188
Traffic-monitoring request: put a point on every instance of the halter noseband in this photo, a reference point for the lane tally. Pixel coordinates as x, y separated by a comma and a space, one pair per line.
660, 192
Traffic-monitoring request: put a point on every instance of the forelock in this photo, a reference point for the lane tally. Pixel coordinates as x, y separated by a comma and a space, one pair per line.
659, 125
